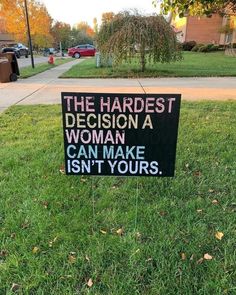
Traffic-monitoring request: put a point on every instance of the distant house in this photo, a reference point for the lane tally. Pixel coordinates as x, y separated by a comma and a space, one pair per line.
205, 29
5, 38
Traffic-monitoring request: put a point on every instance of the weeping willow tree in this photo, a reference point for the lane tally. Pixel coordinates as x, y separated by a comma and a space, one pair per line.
150, 38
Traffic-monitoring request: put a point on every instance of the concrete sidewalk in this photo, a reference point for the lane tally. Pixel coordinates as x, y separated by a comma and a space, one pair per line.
46, 88
17, 92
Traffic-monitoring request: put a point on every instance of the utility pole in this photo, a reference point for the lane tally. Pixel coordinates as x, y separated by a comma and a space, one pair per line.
29, 36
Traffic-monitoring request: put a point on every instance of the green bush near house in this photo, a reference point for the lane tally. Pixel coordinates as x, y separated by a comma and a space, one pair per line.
215, 48
208, 48
196, 47
205, 48
189, 45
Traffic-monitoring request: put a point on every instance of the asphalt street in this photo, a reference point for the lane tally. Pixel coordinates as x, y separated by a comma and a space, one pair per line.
24, 62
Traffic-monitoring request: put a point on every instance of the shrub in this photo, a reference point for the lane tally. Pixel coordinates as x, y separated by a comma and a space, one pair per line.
203, 48
196, 47
209, 47
215, 48
180, 46
187, 46
206, 48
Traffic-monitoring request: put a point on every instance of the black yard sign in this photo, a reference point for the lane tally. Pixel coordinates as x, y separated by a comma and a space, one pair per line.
120, 134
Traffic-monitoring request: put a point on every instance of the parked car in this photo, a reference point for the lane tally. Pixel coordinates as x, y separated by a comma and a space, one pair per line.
24, 51
48, 51
19, 49
82, 50
11, 49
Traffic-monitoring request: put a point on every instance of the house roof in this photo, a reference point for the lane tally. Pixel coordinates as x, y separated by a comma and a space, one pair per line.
6, 38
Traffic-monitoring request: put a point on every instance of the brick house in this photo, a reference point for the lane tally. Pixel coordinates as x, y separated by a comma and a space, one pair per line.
5, 38
205, 30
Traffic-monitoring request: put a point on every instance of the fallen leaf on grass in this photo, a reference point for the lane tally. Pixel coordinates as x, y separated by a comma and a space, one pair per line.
200, 261
87, 258
3, 253
137, 251
72, 257
89, 283
207, 256
103, 231
199, 210
62, 169
232, 206
25, 225
52, 242
219, 235
214, 202
35, 250
183, 256
197, 173
211, 190
192, 257
163, 213
45, 204
138, 235
120, 232
15, 287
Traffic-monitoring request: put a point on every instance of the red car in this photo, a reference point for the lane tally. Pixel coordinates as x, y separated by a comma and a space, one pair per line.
82, 50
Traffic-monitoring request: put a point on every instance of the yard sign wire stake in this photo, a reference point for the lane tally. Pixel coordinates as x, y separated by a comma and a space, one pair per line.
93, 201
136, 204
137, 185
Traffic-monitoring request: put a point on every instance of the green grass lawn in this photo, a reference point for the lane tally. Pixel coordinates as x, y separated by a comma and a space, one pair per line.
58, 233
194, 64
28, 71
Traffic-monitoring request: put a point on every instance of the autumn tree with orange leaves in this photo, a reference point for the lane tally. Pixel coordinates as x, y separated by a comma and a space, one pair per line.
13, 13
85, 28
61, 33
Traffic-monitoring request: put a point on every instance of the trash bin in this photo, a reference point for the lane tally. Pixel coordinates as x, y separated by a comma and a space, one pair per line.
5, 70
14, 69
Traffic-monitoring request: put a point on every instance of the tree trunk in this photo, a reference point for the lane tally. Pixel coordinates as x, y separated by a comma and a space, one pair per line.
142, 57
170, 17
